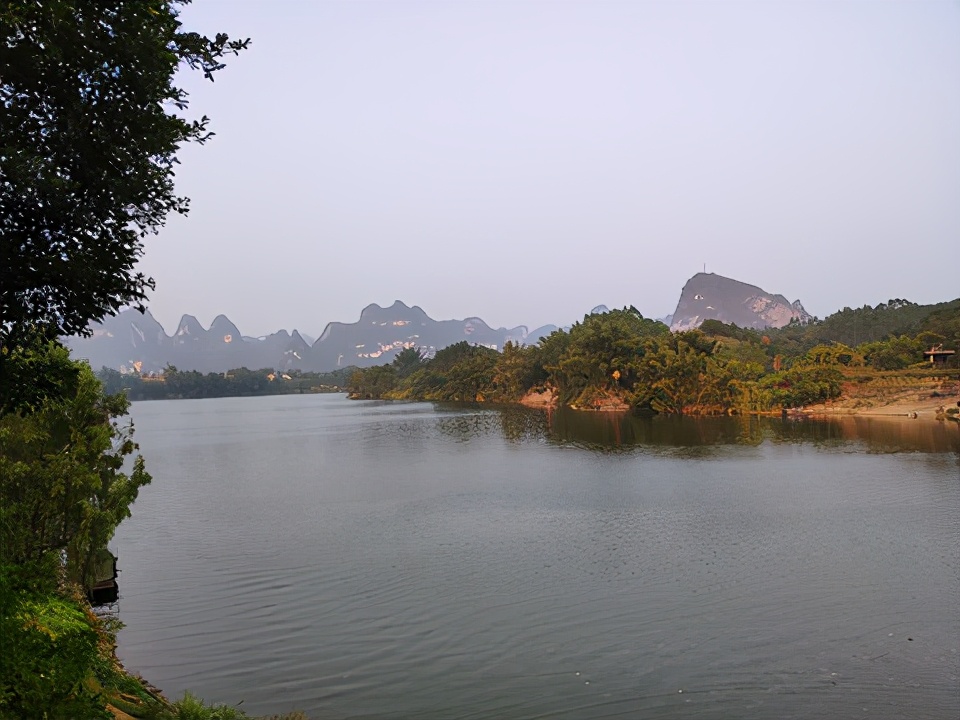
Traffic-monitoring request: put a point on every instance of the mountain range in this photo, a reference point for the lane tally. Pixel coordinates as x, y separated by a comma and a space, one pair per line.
135, 342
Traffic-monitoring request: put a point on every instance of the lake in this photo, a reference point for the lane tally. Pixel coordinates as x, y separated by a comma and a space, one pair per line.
375, 560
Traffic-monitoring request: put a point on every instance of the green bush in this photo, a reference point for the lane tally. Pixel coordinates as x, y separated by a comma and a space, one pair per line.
190, 707
49, 646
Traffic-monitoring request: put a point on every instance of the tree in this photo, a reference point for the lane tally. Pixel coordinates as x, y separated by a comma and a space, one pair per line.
681, 374
33, 370
407, 361
517, 371
803, 385
91, 128
62, 485
373, 382
894, 353
602, 344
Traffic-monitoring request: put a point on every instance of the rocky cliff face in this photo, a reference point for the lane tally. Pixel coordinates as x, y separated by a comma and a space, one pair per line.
381, 333
707, 296
131, 341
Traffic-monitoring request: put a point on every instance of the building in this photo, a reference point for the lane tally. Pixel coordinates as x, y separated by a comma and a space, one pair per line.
938, 356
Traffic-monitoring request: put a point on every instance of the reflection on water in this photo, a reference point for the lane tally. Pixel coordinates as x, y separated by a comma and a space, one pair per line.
626, 431
901, 435
618, 432
402, 561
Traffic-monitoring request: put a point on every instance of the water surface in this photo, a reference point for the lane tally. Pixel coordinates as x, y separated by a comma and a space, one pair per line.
360, 559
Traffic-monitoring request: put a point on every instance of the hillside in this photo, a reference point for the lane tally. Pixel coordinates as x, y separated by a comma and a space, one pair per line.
707, 296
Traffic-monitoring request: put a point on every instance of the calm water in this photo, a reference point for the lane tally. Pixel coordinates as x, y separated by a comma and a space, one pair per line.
366, 560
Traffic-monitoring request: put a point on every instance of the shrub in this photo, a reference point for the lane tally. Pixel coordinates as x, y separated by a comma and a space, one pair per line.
49, 647
190, 707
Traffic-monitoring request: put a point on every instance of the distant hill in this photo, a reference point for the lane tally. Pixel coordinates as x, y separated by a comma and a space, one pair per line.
708, 296
131, 341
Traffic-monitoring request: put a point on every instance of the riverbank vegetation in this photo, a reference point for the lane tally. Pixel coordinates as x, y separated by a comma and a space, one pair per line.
69, 474
189, 384
93, 122
619, 360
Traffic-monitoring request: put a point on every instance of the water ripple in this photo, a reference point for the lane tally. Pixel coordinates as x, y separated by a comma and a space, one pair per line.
387, 561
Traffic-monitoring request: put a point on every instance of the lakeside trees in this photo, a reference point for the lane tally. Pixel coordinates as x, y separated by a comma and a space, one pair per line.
604, 352
62, 479
63, 492
91, 127
621, 356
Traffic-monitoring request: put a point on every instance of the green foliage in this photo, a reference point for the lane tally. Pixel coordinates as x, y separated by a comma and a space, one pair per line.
49, 646
852, 327
802, 385
718, 329
717, 369
518, 369
743, 351
89, 140
835, 354
680, 374
373, 383
894, 353
407, 361
460, 372
603, 344
944, 322
62, 489
239, 382
190, 707
37, 370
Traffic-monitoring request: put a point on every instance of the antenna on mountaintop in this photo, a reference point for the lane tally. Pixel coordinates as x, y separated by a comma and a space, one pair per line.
704, 268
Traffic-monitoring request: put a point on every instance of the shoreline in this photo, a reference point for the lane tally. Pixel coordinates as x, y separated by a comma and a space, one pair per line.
920, 399
907, 408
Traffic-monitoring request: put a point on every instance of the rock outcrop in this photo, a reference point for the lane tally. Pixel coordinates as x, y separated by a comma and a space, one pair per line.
707, 296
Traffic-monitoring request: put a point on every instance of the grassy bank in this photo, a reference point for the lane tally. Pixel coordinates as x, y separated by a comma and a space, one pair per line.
59, 658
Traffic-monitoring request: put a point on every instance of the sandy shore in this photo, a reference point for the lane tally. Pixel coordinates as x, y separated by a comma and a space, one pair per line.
908, 404
923, 398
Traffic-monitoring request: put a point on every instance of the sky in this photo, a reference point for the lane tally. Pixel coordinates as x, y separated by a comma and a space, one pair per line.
524, 162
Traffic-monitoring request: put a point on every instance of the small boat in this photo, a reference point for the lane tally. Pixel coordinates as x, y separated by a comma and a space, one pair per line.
105, 589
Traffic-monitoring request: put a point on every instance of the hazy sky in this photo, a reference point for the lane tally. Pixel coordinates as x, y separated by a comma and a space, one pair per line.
526, 161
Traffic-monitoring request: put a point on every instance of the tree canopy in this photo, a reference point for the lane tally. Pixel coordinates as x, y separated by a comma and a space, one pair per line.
90, 127
62, 476
92, 124
621, 356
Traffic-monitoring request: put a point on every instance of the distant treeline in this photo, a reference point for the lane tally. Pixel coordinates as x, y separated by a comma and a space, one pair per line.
623, 357
175, 384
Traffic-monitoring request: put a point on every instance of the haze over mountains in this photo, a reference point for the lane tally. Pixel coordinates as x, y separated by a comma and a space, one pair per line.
135, 342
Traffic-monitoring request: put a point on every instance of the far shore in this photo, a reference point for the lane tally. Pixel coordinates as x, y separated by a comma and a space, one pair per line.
907, 405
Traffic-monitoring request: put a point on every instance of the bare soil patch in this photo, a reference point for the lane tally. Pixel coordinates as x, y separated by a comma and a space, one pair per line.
893, 396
